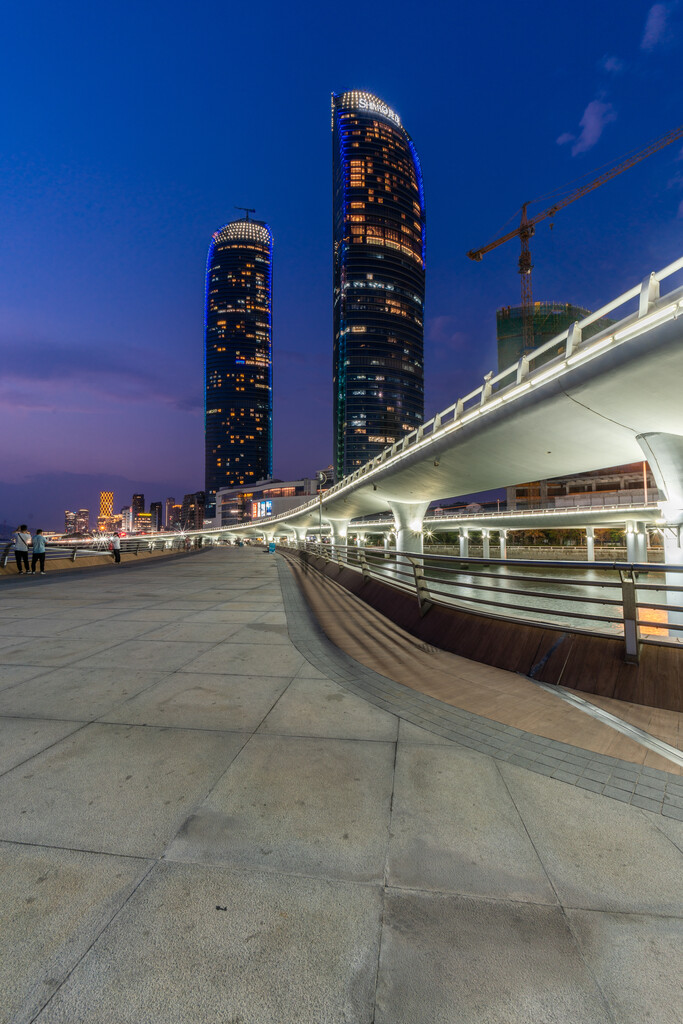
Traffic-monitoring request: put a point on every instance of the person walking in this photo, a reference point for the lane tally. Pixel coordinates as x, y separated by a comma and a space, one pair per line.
21, 539
38, 553
116, 548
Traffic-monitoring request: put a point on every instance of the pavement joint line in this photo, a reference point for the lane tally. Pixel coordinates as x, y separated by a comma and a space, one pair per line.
476, 732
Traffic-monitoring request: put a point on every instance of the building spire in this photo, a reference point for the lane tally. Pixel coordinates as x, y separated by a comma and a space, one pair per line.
247, 210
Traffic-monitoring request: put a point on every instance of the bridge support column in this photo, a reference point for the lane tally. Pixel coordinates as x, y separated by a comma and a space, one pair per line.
590, 544
630, 543
338, 535
464, 537
664, 452
408, 518
641, 542
503, 539
486, 543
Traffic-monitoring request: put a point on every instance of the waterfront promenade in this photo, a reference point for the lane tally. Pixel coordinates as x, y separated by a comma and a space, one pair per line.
200, 823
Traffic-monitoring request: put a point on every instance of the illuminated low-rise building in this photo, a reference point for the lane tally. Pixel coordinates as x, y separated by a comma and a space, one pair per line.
238, 358
267, 498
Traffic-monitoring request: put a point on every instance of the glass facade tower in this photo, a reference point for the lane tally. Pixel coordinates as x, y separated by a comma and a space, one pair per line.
379, 279
238, 358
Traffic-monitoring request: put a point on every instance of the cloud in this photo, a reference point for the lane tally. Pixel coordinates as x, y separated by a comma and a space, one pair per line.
655, 27
611, 64
596, 116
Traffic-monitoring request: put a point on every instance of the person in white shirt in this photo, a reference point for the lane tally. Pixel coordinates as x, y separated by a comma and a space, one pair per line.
21, 539
116, 548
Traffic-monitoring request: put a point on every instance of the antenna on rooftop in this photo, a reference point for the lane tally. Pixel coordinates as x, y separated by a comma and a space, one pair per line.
247, 210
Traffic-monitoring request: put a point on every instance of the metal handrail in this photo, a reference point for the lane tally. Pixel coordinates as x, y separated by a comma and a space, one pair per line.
441, 579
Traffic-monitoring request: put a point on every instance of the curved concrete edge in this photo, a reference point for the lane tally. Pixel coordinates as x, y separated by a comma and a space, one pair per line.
648, 788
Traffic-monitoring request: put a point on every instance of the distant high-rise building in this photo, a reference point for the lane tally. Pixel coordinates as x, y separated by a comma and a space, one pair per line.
379, 279
83, 520
138, 503
155, 513
127, 519
192, 512
550, 319
105, 518
70, 519
168, 513
238, 357
174, 516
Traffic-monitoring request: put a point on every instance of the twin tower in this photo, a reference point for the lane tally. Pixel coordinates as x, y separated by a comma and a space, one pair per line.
378, 302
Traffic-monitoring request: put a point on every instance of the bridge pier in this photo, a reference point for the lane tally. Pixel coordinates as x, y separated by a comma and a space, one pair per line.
590, 544
338, 529
503, 540
408, 518
664, 452
464, 538
486, 543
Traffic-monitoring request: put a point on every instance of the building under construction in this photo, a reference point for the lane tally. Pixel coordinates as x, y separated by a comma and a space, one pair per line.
549, 320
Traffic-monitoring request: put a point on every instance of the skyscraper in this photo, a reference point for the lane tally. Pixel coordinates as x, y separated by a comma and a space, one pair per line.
379, 279
238, 357
155, 512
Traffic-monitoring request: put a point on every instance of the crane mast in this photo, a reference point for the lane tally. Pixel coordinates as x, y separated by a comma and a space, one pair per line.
527, 225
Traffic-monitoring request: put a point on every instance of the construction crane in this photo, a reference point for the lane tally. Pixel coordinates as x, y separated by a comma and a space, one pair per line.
527, 226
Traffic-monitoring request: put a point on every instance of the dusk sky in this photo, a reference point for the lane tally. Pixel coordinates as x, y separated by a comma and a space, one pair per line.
131, 131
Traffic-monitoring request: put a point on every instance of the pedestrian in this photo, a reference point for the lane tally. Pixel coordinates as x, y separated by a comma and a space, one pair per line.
38, 553
116, 548
21, 539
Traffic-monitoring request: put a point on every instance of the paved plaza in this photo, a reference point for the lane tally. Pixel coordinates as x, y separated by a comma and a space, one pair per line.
201, 825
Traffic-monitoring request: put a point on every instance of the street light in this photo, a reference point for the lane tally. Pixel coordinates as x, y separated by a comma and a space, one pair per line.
322, 479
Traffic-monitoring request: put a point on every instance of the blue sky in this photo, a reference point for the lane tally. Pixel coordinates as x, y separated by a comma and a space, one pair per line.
131, 131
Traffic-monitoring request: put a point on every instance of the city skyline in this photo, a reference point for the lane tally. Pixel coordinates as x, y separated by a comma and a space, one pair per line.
124, 175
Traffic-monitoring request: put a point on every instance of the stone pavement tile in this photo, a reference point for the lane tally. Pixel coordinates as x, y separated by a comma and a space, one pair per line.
144, 655
311, 671
54, 904
261, 633
277, 618
59, 651
454, 828
21, 738
636, 959
201, 632
409, 733
671, 828
599, 854
319, 707
113, 788
283, 950
77, 694
159, 613
187, 701
19, 628
448, 959
306, 806
112, 627
248, 660
10, 675
225, 614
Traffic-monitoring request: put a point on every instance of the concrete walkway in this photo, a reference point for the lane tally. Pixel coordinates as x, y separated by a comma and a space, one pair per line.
198, 825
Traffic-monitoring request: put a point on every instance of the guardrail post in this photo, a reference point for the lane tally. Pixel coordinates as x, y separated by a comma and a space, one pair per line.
364, 565
649, 293
137, 548
73, 554
573, 338
630, 616
421, 588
